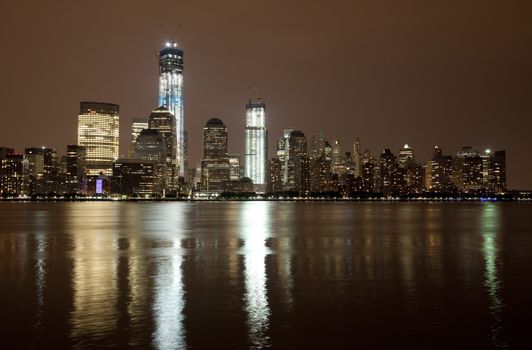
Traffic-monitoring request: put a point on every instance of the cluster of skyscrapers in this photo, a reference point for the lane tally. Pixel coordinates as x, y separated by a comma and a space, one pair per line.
157, 163
317, 168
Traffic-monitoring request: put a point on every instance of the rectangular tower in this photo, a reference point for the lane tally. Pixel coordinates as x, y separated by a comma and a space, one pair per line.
256, 144
171, 95
98, 131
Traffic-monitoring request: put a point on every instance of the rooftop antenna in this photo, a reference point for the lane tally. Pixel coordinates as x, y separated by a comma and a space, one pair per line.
254, 88
178, 29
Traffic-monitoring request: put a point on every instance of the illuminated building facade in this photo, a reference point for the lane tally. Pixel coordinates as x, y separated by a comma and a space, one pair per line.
171, 95
357, 157
11, 172
98, 132
215, 163
469, 172
289, 171
339, 160
439, 172
282, 153
234, 167
275, 175
42, 170
406, 156
256, 144
162, 120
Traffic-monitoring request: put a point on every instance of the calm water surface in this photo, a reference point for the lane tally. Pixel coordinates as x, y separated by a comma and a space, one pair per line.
265, 274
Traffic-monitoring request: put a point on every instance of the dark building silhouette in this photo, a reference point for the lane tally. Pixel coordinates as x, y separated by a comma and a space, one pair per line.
75, 181
151, 145
137, 125
137, 178
499, 171
388, 165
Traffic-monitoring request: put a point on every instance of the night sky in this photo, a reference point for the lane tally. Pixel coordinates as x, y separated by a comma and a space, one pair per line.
447, 73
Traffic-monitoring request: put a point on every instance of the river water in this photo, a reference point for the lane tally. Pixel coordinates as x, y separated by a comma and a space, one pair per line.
329, 275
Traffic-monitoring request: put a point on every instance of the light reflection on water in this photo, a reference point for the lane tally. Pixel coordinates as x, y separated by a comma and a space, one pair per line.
168, 303
169, 295
94, 276
291, 274
40, 220
490, 227
254, 230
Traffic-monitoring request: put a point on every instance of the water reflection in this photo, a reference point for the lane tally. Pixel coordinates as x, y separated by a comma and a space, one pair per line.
40, 221
264, 274
95, 258
169, 299
254, 230
490, 223
168, 303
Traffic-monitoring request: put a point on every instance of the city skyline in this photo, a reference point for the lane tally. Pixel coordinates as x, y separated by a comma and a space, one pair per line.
471, 97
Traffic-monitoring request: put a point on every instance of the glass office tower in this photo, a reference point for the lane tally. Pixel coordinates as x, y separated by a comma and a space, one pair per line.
98, 130
171, 94
256, 144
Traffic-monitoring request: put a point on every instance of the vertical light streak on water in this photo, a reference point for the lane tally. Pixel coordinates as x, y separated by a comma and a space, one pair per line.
406, 258
95, 261
254, 231
169, 303
490, 227
284, 250
287, 279
169, 299
40, 221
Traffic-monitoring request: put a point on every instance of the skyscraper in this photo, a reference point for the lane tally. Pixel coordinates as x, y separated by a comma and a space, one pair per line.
439, 172
171, 95
234, 166
338, 159
11, 173
298, 178
42, 170
283, 148
215, 163
137, 126
165, 123
499, 171
75, 168
150, 145
98, 132
387, 171
357, 157
256, 144
406, 156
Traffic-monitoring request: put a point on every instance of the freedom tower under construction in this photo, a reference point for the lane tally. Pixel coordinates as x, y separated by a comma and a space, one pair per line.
171, 94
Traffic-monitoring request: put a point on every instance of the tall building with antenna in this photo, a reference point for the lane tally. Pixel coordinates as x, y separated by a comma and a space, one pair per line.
171, 94
256, 144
